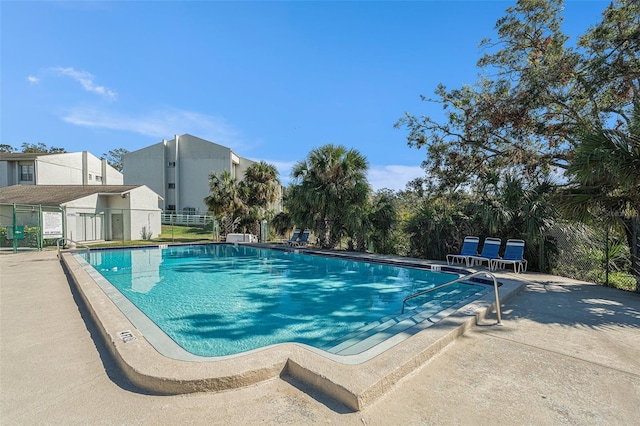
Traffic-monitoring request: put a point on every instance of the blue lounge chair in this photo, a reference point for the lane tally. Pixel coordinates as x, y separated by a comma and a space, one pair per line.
490, 251
469, 248
304, 239
513, 253
294, 238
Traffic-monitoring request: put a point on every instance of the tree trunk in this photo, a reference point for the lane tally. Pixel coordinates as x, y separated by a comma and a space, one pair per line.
632, 231
635, 252
323, 237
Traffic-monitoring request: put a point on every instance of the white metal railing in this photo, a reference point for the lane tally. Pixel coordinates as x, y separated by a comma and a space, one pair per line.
466, 277
185, 219
69, 240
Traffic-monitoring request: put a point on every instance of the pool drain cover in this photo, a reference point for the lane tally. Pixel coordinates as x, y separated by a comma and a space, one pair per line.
127, 336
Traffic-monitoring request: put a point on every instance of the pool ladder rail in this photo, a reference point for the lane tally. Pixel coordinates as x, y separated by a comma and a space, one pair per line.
465, 278
75, 243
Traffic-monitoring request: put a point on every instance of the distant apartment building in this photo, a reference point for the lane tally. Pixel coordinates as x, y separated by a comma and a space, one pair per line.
90, 192
178, 170
67, 168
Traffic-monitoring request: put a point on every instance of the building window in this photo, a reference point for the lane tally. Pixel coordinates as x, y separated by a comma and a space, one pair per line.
171, 207
98, 178
89, 176
171, 164
26, 172
172, 186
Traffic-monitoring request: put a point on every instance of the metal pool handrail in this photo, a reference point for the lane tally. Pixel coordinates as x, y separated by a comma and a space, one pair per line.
72, 241
466, 277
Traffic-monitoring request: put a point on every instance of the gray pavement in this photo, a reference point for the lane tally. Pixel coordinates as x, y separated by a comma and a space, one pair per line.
568, 353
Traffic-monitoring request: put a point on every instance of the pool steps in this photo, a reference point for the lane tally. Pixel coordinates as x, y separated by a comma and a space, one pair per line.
430, 312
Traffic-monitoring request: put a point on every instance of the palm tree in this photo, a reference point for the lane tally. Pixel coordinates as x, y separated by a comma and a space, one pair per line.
225, 200
514, 208
329, 192
382, 217
606, 183
282, 223
260, 189
262, 184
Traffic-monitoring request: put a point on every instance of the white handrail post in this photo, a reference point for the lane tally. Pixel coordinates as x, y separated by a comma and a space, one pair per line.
495, 286
460, 279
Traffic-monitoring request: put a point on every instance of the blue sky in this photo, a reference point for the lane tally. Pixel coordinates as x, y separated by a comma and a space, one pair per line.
272, 80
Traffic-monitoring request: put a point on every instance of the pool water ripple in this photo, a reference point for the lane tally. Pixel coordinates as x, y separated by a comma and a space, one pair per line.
216, 300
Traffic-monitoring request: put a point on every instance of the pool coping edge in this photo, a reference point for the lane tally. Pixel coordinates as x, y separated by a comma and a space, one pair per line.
353, 384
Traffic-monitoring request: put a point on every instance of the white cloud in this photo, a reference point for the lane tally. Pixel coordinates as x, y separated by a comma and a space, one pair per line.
393, 177
86, 81
160, 124
33, 80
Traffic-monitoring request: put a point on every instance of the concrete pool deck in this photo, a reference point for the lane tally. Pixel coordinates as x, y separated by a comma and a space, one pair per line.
569, 352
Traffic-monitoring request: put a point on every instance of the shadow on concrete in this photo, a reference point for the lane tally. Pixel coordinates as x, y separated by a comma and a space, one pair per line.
320, 397
114, 372
575, 304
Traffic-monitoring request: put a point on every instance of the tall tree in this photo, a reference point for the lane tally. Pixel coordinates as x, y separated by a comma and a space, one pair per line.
605, 184
115, 158
260, 189
611, 64
261, 184
330, 187
383, 217
535, 97
4, 148
225, 200
40, 148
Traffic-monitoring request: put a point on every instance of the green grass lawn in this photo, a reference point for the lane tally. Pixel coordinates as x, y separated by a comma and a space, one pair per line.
170, 234
184, 233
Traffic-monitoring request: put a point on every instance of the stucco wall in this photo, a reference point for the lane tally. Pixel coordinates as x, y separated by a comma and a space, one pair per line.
96, 172
59, 169
67, 169
74, 211
138, 210
113, 176
242, 167
7, 173
146, 166
144, 212
197, 160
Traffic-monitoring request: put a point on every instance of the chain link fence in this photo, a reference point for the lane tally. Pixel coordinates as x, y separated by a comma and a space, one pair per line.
594, 254
29, 227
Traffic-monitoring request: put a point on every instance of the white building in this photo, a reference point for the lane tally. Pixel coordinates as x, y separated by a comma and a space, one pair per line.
178, 170
91, 213
67, 168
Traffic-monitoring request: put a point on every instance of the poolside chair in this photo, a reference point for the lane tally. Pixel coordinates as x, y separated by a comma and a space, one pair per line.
304, 239
490, 251
469, 248
294, 238
513, 253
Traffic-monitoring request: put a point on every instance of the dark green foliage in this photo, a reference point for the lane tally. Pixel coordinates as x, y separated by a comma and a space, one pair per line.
241, 205
40, 148
330, 195
115, 158
541, 108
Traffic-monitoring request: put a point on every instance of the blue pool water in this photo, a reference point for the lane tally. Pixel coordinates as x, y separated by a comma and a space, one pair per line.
215, 300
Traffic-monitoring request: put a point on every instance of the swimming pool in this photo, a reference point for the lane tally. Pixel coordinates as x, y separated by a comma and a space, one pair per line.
220, 299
